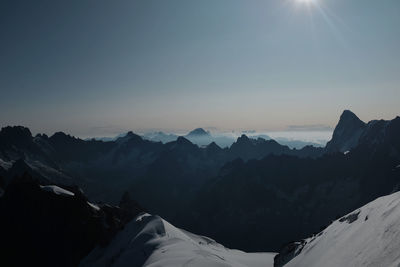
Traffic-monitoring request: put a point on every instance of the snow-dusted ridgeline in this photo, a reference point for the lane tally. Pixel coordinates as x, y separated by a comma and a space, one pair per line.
56, 190
151, 241
369, 236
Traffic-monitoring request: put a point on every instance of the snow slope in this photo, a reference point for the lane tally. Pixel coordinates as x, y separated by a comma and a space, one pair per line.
369, 236
56, 190
151, 241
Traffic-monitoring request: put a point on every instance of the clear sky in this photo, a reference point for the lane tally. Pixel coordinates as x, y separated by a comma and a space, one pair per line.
99, 67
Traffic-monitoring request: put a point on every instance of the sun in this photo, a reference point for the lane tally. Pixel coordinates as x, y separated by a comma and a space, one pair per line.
307, 3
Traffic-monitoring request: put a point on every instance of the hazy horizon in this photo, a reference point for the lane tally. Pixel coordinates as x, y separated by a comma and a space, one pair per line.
309, 133
97, 68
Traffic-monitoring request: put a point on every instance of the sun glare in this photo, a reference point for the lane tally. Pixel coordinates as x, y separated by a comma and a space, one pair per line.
305, 1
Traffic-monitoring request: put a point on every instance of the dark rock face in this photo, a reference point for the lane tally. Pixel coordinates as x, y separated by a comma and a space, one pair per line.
129, 208
15, 135
376, 136
2, 184
288, 252
347, 133
294, 196
275, 199
3, 173
20, 167
309, 151
66, 148
247, 148
382, 133
16, 141
41, 228
350, 218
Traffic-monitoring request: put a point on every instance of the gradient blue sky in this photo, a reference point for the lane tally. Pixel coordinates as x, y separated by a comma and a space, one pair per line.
102, 67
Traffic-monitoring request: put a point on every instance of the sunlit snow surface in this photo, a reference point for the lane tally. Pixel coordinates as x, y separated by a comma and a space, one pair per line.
93, 206
372, 239
151, 241
56, 190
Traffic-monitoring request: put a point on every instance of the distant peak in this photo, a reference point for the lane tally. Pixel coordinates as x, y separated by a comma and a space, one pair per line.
349, 115
130, 134
199, 132
243, 137
347, 133
61, 136
349, 120
129, 137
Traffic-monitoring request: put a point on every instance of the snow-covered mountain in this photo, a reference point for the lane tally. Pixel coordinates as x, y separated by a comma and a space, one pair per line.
149, 240
205, 189
113, 236
368, 236
51, 225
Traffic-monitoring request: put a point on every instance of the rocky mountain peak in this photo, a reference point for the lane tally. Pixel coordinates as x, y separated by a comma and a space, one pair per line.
17, 135
347, 133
